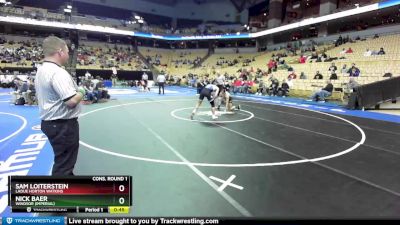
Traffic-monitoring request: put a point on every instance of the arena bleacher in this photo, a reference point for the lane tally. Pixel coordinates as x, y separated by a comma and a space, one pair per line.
25, 52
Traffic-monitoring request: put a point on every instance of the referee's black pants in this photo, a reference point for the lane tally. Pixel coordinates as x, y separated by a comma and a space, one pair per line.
220, 87
161, 86
64, 138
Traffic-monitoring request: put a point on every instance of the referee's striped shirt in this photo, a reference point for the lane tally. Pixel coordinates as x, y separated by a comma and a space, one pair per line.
161, 78
54, 86
220, 80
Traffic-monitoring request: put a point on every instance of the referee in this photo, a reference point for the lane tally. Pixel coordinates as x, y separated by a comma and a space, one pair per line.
58, 99
220, 84
145, 79
161, 82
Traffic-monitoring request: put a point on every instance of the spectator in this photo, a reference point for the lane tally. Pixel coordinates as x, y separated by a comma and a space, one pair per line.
347, 39
97, 88
374, 52
275, 68
6, 82
302, 59
271, 78
87, 75
313, 56
114, 76
97, 94
354, 71
182, 82
261, 88
344, 69
303, 76
381, 52
349, 51
323, 93
318, 76
101, 89
292, 75
95, 81
333, 76
284, 89
281, 61
246, 86
194, 81
3, 80
323, 57
89, 91
350, 87
339, 41
271, 65
343, 51
26, 52
145, 79
21, 87
289, 81
30, 94
274, 87
367, 53
114, 79
333, 67
243, 75
237, 85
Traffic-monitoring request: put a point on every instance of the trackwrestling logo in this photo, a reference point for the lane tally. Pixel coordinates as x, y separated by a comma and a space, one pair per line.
19, 163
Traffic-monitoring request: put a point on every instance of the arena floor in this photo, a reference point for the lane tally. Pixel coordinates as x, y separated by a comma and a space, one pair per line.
269, 160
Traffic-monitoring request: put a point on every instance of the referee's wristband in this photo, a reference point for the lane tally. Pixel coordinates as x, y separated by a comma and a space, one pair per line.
82, 92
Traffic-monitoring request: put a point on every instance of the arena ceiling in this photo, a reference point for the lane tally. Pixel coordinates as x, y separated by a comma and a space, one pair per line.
240, 5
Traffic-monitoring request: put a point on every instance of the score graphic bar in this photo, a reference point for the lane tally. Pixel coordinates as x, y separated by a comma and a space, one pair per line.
65, 194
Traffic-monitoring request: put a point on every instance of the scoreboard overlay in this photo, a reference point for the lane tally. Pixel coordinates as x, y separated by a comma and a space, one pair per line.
75, 194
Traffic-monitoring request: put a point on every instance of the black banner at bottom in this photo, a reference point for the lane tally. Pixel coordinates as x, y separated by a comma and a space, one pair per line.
168, 220
207, 221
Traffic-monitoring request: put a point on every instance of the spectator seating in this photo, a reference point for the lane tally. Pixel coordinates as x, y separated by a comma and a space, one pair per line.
99, 55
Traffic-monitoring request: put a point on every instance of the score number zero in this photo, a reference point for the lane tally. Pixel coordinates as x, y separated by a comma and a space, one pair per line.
121, 188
